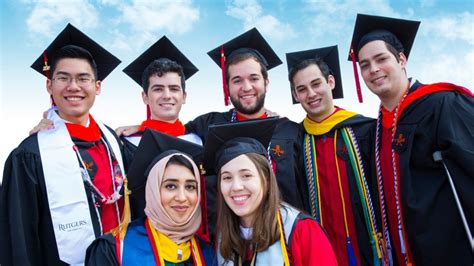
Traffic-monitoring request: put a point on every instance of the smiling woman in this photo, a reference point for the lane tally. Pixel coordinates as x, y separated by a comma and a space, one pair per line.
254, 226
179, 189
173, 216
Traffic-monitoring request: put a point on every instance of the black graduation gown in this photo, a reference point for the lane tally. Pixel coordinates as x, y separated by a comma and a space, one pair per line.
286, 148
129, 149
364, 129
438, 121
26, 230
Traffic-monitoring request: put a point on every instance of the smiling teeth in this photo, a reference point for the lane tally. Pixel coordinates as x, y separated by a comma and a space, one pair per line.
240, 198
74, 98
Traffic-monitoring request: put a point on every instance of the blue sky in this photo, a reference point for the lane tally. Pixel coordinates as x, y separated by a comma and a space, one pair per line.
443, 50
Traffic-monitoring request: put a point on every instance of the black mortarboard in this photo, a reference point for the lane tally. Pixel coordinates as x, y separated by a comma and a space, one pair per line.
105, 61
249, 42
163, 48
261, 130
329, 55
153, 144
399, 33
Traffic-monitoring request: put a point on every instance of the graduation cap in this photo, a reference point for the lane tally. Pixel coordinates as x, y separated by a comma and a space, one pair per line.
399, 33
163, 48
249, 42
154, 145
105, 61
329, 55
217, 150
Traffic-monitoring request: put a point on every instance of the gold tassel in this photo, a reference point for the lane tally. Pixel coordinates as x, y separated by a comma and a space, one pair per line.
122, 227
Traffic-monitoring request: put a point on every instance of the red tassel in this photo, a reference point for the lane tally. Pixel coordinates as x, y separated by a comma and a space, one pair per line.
148, 112
47, 72
356, 75
46, 67
52, 100
224, 84
204, 228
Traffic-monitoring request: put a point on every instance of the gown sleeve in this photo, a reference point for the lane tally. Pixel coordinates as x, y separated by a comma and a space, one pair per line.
20, 210
310, 245
456, 132
455, 137
102, 252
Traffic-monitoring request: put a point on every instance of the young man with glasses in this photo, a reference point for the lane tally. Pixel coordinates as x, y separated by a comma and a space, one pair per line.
62, 187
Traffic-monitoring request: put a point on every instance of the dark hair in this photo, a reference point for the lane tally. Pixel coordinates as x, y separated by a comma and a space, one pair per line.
265, 225
323, 67
180, 160
160, 67
393, 51
241, 57
73, 51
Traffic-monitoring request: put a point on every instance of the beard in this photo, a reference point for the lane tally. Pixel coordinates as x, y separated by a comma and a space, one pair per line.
248, 110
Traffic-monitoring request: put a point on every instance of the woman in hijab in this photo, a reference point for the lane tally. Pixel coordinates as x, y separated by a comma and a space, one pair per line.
167, 236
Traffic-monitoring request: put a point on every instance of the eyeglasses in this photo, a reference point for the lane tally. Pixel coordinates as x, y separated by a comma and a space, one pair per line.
66, 80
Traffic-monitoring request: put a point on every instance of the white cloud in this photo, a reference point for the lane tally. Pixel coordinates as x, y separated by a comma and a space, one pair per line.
252, 15
153, 16
458, 27
147, 20
120, 41
447, 67
330, 16
111, 2
47, 15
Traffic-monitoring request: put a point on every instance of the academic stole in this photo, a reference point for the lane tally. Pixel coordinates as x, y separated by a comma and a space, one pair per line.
282, 250
311, 167
174, 129
67, 197
157, 248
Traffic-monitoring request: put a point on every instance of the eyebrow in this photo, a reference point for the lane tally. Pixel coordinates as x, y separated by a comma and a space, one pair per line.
69, 74
240, 171
311, 82
375, 56
176, 180
157, 86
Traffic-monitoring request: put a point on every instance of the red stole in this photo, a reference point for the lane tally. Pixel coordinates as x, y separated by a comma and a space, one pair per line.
175, 129
90, 133
331, 201
243, 118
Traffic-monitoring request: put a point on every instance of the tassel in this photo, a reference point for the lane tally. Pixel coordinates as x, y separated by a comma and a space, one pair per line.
204, 228
46, 67
121, 229
356, 76
47, 72
350, 253
148, 112
402, 242
224, 82
52, 101
375, 253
